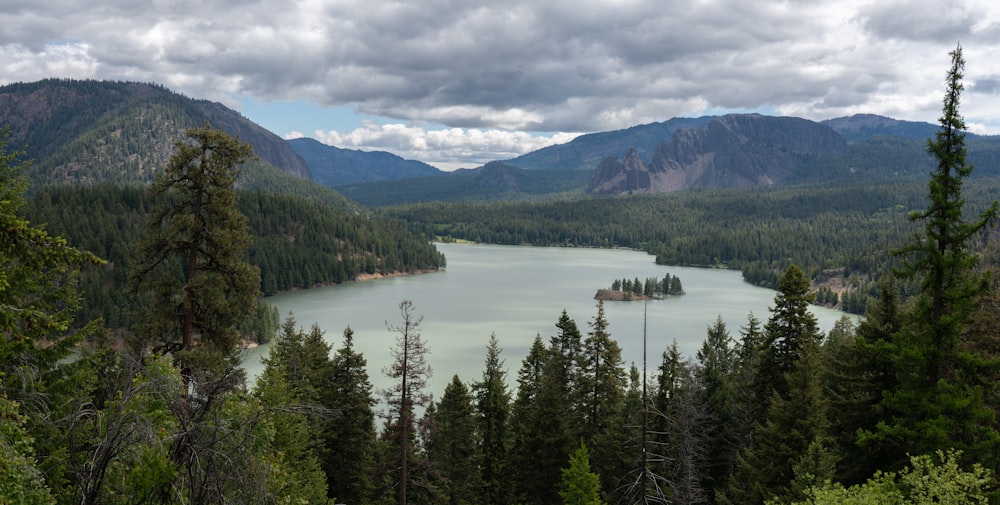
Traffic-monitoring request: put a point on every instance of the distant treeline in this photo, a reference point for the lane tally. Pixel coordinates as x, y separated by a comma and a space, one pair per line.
297, 243
760, 231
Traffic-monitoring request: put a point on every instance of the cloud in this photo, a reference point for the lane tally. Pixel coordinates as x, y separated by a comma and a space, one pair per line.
521, 65
447, 149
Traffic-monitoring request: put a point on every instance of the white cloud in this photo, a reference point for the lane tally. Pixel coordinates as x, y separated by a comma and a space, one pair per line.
446, 149
521, 65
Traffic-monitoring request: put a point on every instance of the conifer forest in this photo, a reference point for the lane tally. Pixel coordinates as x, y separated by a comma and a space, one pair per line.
121, 381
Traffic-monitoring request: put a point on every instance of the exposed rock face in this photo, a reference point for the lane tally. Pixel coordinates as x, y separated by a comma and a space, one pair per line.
622, 175
730, 151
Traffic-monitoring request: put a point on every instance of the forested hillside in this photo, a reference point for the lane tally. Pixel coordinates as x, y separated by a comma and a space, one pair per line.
118, 132
297, 243
495, 181
333, 166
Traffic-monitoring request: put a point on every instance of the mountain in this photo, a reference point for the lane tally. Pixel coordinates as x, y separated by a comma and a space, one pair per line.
333, 166
587, 151
494, 181
104, 131
738, 150
862, 127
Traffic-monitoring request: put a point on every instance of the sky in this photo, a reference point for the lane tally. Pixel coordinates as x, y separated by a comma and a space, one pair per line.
458, 83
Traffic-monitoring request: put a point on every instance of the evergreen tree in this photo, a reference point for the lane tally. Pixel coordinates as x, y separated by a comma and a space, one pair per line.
859, 371
796, 425
532, 442
601, 377
543, 415
676, 288
493, 411
452, 447
38, 289
580, 486
198, 290
602, 385
939, 402
790, 328
715, 372
349, 453
298, 471
190, 265
668, 383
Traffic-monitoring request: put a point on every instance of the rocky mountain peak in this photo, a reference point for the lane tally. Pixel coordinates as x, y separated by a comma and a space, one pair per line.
737, 150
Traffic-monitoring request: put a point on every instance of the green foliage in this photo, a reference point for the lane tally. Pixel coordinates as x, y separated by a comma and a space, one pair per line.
297, 243
543, 433
580, 486
791, 329
452, 445
669, 285
38, 283
297, 474
939, 401
928, 480
493, 410
350, 434
20, 479
191, 260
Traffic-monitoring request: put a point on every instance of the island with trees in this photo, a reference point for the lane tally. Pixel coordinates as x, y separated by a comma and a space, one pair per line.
652, 288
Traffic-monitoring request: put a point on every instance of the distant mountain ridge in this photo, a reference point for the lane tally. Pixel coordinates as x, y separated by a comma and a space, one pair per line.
861, 127
121, 132
99, 131
333, 166
587, 151
730, 151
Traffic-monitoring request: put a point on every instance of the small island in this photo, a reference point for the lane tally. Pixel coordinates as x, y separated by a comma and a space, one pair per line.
627, 290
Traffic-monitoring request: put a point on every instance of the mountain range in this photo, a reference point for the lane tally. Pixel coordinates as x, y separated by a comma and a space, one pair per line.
120, 132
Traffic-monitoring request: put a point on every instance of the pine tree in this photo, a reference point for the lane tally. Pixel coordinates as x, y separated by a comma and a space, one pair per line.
796, 424
530, 441
715, 372
198, 290
493, 409
38, 288
860, 370
190, 265
349, 453
939, 402
790, 328
580, 486
602, 385
452, 447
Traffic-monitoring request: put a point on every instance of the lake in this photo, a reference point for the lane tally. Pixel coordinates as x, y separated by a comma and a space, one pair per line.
518, 293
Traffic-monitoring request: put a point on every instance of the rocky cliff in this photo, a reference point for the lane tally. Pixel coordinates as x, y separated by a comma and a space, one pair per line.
730, 151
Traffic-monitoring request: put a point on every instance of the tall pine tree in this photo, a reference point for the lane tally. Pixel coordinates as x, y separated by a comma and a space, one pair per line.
493, 416
452, 447
939, 402
349, 452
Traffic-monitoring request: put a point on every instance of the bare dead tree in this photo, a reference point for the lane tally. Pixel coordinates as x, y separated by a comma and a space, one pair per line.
409, 367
